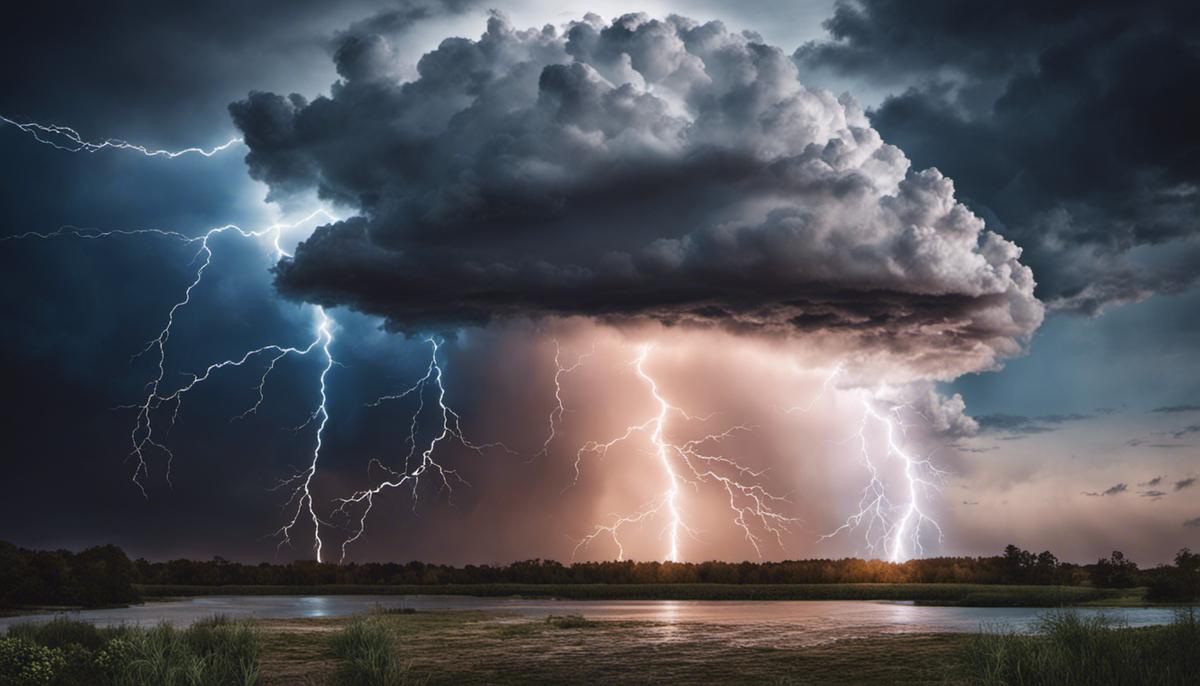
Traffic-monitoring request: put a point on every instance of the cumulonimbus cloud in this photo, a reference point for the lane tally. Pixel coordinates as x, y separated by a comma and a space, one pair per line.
644, 169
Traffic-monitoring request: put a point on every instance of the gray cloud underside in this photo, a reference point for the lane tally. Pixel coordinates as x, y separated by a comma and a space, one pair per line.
667, 170
1115, 489
1069, 123
1176, 409
1020, 425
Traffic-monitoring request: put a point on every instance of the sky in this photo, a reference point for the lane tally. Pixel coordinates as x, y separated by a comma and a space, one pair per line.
688, 279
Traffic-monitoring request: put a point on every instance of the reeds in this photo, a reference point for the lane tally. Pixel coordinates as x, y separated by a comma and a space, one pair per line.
1069, 649
368, 655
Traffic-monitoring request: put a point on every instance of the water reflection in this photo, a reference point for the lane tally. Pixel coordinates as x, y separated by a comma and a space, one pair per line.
740, 622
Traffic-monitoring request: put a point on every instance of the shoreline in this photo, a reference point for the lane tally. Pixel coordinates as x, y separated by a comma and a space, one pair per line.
956, 595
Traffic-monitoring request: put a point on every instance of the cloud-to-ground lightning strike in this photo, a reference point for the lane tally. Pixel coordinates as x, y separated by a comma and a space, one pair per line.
893, 527
687, 462
302, 481
143, 433
410, 475
556, 414
68, 139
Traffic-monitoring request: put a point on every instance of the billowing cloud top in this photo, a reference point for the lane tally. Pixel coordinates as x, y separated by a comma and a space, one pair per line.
646, 169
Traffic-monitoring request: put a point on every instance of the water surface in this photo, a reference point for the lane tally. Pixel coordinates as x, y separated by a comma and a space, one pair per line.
760, 622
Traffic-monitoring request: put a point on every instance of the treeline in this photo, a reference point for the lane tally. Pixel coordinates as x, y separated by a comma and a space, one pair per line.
105, 575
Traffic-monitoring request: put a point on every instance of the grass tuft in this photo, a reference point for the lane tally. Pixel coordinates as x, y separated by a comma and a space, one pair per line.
368, 655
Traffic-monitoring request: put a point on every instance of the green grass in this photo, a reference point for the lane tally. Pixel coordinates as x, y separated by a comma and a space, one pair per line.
369, 655
977, 595
1072, 650
65, 652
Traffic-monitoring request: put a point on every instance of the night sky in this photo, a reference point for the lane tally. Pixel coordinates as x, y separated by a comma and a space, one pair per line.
811, 222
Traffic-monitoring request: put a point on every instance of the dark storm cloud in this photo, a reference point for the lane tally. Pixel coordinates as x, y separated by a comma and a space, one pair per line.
164, 72
1193, 522
1072, 124
1153, 495
1185, 483
1020, 425
667, 170
1152, 482
1115, 489
1175, 409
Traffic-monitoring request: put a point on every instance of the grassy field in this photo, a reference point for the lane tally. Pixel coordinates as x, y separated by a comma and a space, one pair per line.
474, 648
973, 595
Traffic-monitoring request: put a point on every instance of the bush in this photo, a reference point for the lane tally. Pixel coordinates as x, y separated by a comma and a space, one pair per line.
62, 631
25, 663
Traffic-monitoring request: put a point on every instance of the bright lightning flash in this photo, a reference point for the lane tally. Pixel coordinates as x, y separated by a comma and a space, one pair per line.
143, 435
891, 527
68, 139
556, 414
302, 481
428, 463
688, 462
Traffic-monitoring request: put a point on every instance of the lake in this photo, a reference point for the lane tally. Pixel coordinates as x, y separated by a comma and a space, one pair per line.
766, 622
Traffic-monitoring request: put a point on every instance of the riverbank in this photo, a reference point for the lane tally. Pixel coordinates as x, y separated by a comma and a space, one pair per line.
962, 595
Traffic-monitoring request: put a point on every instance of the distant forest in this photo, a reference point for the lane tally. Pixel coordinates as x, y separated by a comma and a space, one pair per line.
105, 575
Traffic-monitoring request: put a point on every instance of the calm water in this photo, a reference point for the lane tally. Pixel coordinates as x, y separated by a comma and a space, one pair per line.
757, 622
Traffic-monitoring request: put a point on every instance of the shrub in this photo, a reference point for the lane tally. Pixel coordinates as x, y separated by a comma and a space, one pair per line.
25, 663
62, 631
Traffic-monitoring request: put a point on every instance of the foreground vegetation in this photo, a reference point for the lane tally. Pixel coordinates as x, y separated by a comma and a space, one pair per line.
64, 652
967, 595
403, 648
1069, 649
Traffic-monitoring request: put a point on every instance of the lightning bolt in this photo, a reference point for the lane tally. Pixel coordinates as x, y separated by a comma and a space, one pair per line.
556, 414
895, 528
143, 436
427, 463
68, 139
689, 462
302, 481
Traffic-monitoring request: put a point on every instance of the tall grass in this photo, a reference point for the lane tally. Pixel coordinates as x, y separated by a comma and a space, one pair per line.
368, 655
65, 652
1088, 651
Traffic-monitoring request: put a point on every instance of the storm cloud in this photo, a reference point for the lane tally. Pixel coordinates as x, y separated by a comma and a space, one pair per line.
644, 169
1069, 124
